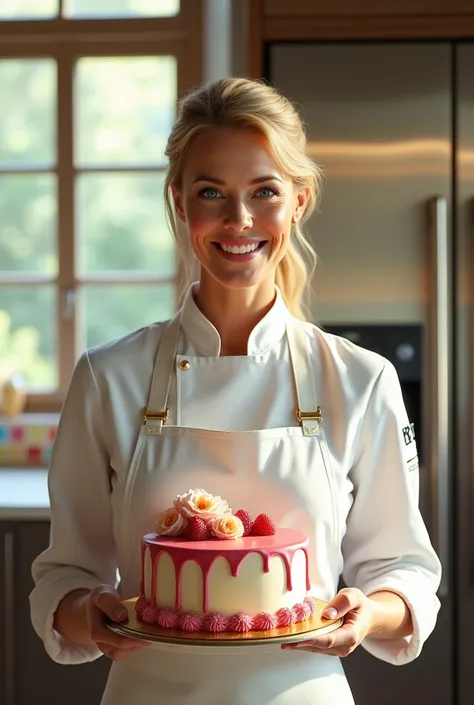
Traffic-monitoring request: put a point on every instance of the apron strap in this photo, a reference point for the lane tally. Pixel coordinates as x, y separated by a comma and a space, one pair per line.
308, 413
156, 413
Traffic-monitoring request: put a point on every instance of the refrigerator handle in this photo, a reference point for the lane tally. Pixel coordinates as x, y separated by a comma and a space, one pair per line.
439, 368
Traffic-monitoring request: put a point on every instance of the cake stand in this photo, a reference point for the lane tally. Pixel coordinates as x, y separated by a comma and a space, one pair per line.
316, 625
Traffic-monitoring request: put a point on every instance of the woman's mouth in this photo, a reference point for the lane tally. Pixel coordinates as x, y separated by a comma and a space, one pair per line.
240, 250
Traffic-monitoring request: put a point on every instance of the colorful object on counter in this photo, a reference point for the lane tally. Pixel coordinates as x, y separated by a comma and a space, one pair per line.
13, 397
27, 444
207, 569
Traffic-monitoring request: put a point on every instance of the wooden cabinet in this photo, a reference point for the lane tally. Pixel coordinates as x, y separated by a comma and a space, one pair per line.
268, 21
351, 8
27, 674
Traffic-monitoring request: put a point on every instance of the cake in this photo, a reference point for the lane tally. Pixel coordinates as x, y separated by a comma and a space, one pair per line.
208, 570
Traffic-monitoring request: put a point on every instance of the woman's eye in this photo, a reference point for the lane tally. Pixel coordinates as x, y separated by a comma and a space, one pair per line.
210, 193
267, 192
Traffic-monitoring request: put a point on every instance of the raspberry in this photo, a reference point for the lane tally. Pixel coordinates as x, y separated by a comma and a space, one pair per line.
246, 520
263, 526
196, 530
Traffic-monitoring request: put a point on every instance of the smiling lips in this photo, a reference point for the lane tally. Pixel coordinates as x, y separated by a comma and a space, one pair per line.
241, 249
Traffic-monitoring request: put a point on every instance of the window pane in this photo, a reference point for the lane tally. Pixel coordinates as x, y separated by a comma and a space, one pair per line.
121, 224
28, 223
120, 8
28, 9
28, 99
28, 335
108, 312
125, 107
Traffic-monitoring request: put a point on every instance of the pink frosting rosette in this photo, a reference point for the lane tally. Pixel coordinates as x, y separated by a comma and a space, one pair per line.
286, 617
198, 503
215, 622
227, 527
264, 621
168, 619
301, 611
140, 605
240, 622
190, 622
170, 522
150, 614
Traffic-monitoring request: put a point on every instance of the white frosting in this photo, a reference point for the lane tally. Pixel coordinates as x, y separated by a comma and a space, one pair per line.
251, 591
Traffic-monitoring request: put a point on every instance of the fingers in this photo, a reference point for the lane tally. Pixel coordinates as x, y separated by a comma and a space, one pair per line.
346, 599
105, 602
119, 654
108, 601
341, 642
102, 635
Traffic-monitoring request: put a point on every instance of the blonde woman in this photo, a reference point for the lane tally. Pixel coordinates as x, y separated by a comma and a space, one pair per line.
239, 188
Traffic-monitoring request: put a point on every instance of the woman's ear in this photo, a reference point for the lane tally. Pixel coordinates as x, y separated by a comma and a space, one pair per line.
301, 201
178, 203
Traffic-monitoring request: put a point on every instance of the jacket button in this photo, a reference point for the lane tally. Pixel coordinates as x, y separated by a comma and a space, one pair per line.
184, 365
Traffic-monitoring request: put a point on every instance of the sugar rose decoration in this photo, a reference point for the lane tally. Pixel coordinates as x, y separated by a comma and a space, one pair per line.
198, 503
227, 527
201, 516
170, 522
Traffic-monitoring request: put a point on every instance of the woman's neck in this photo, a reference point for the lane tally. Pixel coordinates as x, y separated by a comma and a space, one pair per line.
234, 312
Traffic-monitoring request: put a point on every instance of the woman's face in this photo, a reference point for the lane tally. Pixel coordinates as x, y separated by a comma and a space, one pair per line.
237, 205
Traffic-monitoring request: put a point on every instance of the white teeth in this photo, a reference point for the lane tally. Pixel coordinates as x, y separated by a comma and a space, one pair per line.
242, 250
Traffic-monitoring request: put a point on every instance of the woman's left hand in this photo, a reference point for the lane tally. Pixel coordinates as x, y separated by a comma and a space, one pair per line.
358, 612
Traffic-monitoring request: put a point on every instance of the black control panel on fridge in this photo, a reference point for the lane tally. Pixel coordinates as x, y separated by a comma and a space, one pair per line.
402, 345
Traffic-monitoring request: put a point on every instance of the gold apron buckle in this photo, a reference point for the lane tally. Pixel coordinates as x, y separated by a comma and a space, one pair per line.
161, 415
309, 415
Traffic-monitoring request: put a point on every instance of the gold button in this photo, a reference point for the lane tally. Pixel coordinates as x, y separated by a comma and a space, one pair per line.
184, 364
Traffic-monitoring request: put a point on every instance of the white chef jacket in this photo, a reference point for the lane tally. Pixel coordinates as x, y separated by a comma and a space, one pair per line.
383, 543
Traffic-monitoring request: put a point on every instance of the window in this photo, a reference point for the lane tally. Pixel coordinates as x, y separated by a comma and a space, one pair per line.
88, 90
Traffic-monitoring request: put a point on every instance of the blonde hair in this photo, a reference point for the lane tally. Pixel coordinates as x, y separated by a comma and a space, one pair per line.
240, 102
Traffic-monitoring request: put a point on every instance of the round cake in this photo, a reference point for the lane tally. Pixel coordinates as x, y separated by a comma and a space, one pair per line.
223, 573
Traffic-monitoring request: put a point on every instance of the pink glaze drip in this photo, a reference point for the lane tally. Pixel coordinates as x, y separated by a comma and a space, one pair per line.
204, 553
142, 583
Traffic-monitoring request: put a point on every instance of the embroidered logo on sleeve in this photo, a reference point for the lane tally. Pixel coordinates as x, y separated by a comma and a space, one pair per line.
409, 434
409, 438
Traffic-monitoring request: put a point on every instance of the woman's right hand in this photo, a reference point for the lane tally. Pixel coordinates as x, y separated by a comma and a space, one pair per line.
105, 602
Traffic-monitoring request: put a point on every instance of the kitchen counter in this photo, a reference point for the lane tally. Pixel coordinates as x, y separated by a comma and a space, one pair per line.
24, 494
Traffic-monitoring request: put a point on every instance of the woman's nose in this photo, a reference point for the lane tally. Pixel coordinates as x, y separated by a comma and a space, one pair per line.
238, 217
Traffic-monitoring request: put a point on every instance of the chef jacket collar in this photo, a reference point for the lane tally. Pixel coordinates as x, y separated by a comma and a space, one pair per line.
268, 331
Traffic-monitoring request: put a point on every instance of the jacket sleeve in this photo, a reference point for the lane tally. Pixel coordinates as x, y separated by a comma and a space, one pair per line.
82, 552
386, 545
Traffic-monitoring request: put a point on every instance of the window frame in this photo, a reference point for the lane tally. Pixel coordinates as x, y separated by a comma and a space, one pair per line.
66, 41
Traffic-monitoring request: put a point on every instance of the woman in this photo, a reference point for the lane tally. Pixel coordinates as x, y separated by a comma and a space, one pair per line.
233, 367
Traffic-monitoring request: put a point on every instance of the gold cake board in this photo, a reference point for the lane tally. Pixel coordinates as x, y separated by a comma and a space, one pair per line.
316, 625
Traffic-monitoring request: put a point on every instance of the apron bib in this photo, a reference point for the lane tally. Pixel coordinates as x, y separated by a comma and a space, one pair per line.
285, 472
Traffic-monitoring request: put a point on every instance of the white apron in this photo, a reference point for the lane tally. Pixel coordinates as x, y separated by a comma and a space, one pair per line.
285, 472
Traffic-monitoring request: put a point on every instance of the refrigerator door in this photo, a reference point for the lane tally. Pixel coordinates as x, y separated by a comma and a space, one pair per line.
379, 122
464, 412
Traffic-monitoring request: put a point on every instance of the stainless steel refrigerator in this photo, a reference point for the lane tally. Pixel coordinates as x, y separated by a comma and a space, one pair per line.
392, 125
